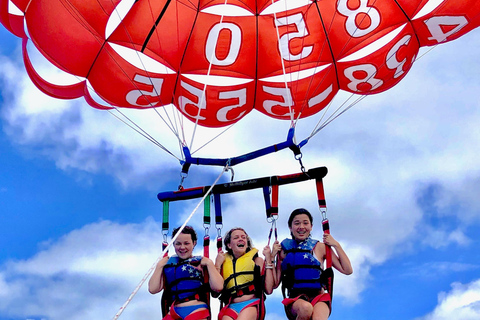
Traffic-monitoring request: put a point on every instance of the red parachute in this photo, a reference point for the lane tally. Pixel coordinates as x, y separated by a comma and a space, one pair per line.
218, 60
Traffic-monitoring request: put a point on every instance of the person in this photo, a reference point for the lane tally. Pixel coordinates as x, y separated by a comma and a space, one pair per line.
182, 279
299, 266
244, 283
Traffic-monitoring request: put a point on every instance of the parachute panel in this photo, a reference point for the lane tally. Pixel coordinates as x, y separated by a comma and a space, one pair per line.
217, 61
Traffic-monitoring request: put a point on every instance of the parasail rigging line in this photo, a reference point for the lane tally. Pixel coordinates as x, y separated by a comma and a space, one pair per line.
176, 125
178, 120
289, 102
135, 127
172, 125
325, 110
326, 45
319, 126
212, 139
331, 117
337, 113
129, 122
202, 99
149, 272
175, 122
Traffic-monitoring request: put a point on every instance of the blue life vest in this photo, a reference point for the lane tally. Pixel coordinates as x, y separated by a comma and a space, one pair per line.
301, 270
184, 282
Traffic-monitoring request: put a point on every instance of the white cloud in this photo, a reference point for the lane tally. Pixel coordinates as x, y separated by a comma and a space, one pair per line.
462, 302
88, 273
382, 156
434, 270
441, 238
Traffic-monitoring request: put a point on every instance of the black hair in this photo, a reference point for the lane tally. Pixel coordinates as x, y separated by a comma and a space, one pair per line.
186, 230
296, 212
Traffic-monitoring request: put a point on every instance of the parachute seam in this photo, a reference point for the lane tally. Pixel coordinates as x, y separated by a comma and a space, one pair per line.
409, 20
305, 103
176, 124
168, 123
203, 99
139, 130
154, 27
290, 109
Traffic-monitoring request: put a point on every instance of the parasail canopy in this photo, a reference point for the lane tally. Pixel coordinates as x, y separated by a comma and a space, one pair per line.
216, 61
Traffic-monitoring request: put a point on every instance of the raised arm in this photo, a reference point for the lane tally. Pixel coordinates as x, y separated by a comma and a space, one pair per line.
270, 270
340, 260
155, 284
280, 256
215, 279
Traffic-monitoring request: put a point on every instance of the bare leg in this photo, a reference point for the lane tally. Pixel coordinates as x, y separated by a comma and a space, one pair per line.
321, 311
249, 313
303, 310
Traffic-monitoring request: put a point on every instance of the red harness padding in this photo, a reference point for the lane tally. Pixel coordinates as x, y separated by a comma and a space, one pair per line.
227, 311
202, 314
327, 274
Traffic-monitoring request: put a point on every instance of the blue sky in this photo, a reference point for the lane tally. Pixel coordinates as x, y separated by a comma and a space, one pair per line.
80, 220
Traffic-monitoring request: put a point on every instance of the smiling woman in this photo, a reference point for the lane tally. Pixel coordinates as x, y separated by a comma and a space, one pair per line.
300, 265
246, 277
182, 278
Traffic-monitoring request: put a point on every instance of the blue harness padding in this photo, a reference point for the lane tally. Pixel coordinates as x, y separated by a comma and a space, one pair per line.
301, 271
183, 280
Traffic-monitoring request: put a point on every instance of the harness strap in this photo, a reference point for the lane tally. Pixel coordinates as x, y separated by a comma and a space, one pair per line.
241, 273
271, 208
271, 204
321, 194
218, 220
165, 225
328, 249
206, 225
322, 204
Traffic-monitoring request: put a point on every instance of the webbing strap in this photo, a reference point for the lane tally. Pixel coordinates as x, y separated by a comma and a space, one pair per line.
328, 249
322, 205
206, 225
274, 226
206, 246
321, 194
270, 195
165, 225
166, 208
218, 220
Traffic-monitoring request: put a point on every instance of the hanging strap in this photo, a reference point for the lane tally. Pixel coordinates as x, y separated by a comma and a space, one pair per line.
271, 204
165, 226
322, 205
270, 195
328, 249
218, 220
206, 225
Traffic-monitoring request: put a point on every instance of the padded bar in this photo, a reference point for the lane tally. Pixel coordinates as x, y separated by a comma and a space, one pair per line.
198, 192
288, 143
